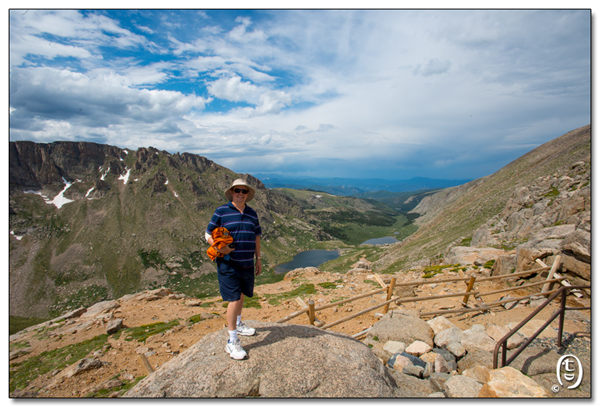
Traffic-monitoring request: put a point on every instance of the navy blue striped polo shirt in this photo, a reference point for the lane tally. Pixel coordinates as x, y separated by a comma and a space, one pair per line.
243, 227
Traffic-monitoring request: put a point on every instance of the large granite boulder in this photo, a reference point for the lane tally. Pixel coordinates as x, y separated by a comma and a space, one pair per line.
402, 326
284, 360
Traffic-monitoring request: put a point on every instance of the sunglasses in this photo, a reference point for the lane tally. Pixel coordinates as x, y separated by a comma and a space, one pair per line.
242, 191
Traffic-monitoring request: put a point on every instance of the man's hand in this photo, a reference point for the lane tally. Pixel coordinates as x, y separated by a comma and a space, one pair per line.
258, 267
225, 250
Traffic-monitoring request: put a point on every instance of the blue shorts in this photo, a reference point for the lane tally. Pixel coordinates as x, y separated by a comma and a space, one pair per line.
234, 280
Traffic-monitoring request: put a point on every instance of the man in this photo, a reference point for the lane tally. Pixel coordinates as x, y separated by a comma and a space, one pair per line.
236, 275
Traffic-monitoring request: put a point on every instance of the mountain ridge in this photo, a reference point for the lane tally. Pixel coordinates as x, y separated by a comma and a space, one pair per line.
133, 220
91, 222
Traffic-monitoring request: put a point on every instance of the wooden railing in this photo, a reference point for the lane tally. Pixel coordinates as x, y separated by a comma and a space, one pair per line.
310, 309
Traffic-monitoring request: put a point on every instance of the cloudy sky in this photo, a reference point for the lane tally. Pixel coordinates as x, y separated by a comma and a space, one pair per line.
452, 94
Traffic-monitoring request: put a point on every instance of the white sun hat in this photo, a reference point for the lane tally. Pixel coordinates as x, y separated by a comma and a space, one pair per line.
240, 183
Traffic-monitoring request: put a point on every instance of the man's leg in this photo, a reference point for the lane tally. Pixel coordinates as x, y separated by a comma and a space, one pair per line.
234, 308
234, 347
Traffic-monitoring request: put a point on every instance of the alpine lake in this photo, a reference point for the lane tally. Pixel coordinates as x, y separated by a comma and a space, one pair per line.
314, 258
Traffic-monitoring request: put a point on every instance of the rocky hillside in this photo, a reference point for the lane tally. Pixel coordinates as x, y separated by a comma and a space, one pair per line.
90, 222
547, 187
164, 344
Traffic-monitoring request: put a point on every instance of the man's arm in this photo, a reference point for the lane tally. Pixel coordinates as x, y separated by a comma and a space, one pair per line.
224, 250
257, 251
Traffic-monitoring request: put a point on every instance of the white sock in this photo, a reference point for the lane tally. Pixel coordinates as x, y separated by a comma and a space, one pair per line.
233, 336
239, 319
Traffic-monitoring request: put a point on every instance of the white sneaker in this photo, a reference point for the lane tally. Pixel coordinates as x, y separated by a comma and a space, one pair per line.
243, 329
235, 350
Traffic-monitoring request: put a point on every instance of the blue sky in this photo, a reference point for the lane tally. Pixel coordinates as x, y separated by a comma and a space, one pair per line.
451, 94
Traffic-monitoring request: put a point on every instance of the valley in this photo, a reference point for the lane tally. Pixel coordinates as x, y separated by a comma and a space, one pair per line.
134, 220
131, 250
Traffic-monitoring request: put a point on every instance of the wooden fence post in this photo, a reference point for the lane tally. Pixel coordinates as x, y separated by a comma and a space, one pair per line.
390, 292
555, 275
555, 265
469, 288
311, 312
380, 281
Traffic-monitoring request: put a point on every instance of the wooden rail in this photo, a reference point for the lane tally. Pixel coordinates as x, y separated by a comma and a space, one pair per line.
305, 309
310, 309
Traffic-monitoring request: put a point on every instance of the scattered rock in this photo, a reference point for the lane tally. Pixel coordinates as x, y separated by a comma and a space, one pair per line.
82, 366
447, 336
402, 326
428, 357
438, 380
418, 348
408, 386
394, 347
74, 314
456, 349
462, 387
151, 295
399, 361
479, 373
114, 325
439, 324
14, 354
509, 382
472, 255
476, 338
100, 308
510, 304
413, 370
498, 332
476, 357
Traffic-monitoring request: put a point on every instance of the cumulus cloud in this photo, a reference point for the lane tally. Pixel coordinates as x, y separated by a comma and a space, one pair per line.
408, 92
241, 34
234, 89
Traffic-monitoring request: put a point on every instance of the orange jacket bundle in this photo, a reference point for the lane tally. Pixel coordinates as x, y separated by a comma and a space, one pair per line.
221, 238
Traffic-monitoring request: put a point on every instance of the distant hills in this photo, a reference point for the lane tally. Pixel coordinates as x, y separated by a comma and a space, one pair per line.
90, 222
356, 186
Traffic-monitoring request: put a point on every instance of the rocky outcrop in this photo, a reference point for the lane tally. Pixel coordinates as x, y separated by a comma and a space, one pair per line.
341, 367
37, 165
550, 217
472, 255
283, 361
460, 364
